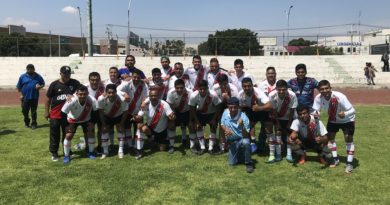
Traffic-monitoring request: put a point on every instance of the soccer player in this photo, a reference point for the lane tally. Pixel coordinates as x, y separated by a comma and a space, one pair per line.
166, 70
157, 112
178, 73
112, 111
178, 99
256, 106
240, 74
137, 91
28, 86
126, 73
204, 109
56, 97
78, 111
284, 103
214, 72
269, 84
235, 125
307, 132
341, 115
158, 83
196, 73
114, 77
303, 86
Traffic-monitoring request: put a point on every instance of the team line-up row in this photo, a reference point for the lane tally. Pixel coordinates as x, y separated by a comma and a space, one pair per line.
149, 110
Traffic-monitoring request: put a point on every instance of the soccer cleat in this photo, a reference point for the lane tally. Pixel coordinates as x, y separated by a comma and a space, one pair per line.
33, 127
348, 169
66, 159
103, 156
120, 155
194, 150
202, 151
249, 168
278, 158
171, 150
289, 158
138, 155
54, 157
91, 155
271, 159
323, 161
302, 160
334, 163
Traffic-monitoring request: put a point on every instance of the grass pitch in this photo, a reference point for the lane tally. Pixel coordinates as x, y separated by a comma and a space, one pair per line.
28, 176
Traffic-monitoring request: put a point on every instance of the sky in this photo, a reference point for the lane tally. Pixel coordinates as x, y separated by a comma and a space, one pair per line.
195, 19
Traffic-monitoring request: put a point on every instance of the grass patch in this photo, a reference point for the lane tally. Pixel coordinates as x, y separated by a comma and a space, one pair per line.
28, 176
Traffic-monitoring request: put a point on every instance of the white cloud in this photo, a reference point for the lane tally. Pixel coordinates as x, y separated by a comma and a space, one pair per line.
70, 10
22, 21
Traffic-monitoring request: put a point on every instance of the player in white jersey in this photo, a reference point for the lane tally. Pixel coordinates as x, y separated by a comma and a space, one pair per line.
269, 84
158, 83
113, 74
112, 112
240, 74
256, 106
214, 72
307, 132
95, 89
178, 99
341, 115
178, 73
284, 103
137, 91
204, 109
157, 113
196, 73
266, 86
166, 69
224, 91
78, 111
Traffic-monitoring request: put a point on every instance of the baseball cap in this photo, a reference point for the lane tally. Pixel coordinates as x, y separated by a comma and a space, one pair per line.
233, 101
65, 69
30, 66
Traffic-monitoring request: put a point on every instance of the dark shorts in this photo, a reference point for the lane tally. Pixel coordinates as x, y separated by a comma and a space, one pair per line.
261, 116
310, 144
347, 128
95, 117
182, 118
112, 121
205, 119
72, 127
160, 137
129, 121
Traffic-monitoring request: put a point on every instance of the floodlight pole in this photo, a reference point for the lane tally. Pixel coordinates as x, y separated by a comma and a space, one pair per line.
128, 30
81, 33
288, 23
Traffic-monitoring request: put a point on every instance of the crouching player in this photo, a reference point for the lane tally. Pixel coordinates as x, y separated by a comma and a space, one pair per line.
157, 113
284, 103
112, 111
235, 125
78, 111
341, 115
308, 132
178, 99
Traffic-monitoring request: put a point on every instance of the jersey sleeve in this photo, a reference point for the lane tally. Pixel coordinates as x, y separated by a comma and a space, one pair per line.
67, 106
170, 97
295, 125
322, 130
215, 99
167, 108
100, 102
192, 101
262, 97
317, 103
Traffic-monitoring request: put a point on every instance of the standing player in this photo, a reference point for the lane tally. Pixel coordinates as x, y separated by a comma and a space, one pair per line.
284, 103
178, 74
158, 83
28, 86
196, 73
157, 112
341, 115
112, 111
127, 72
56, 97
309, 133
240, 74
178, 99
214, 72
114, 78
137, 91
204, 109
78, 111
166, 70
303, 86
256, 106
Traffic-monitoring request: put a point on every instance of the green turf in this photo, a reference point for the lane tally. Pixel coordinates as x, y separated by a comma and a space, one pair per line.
28, 176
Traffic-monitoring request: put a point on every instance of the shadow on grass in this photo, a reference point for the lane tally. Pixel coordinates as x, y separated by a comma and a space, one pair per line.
7, 132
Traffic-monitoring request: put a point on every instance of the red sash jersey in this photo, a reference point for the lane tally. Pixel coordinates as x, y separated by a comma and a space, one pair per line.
57, 92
